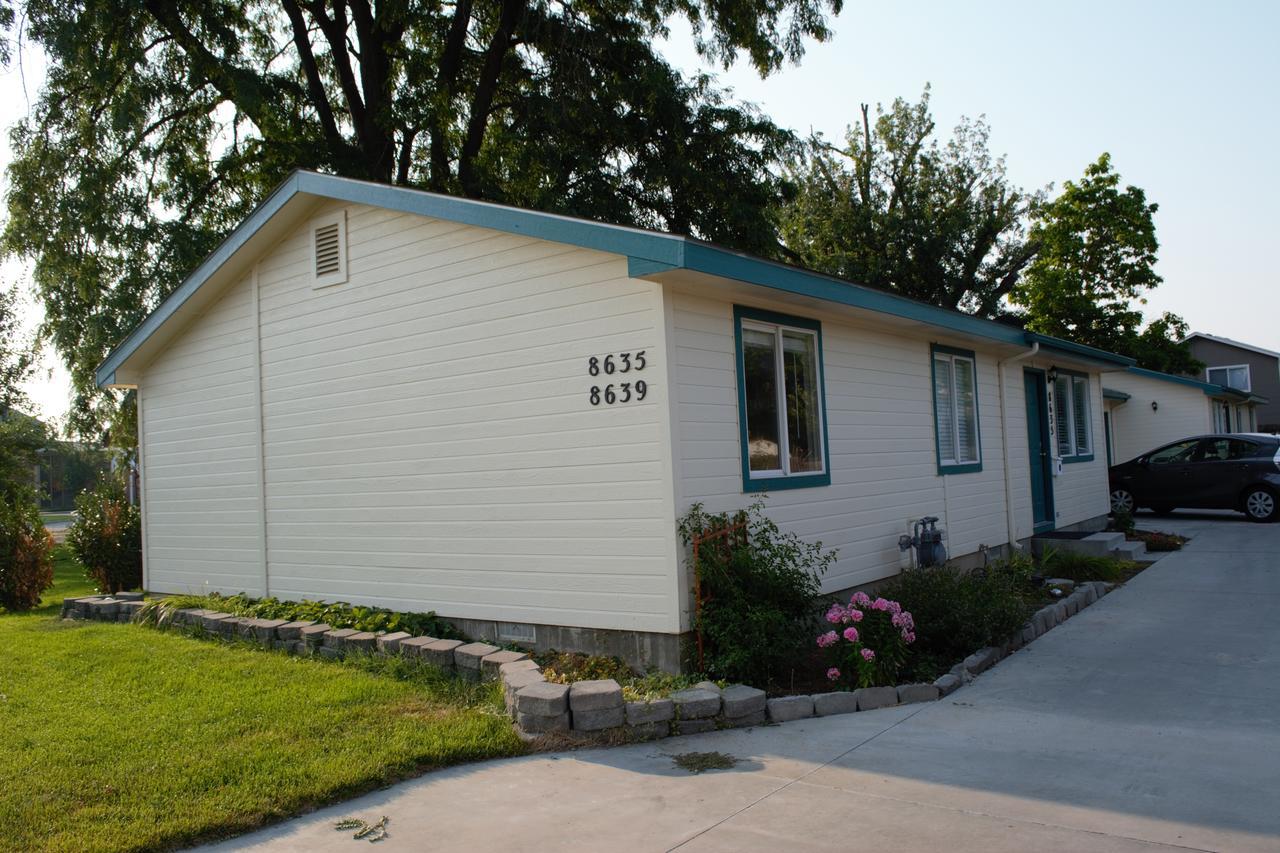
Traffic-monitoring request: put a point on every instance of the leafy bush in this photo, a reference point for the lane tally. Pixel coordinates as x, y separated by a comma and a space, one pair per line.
338, 614
868, 645
957, 612
107, 537
759, 591
1083, 567
1122, 522
26, 553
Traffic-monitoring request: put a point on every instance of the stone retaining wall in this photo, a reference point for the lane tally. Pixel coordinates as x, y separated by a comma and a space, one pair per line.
539, 707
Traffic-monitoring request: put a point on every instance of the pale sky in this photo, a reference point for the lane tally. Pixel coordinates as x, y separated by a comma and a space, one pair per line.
1182, 94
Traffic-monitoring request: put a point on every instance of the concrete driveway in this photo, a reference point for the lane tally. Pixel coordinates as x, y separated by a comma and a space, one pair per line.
1148, 722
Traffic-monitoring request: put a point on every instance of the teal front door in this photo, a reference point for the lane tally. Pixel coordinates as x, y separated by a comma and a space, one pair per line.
1038, 447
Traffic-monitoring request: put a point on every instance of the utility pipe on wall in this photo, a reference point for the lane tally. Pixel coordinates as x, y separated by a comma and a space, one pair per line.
1001, 376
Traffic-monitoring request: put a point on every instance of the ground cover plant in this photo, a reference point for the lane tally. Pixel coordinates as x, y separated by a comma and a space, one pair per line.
1075, 566
568, 667
337, 614
122, 738
1157, 541
107, 536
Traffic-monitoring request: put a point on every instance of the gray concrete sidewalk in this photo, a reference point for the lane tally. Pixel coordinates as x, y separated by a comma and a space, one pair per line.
1148, 722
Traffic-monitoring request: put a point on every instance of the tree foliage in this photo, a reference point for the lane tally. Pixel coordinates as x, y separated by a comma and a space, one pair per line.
897, 209
20, 434
162, 123
1094, 264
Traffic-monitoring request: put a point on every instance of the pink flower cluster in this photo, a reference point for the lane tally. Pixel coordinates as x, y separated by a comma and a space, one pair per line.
855, 611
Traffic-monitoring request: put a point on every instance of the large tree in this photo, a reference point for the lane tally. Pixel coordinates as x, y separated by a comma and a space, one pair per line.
897, 209
1094, 266
163, 121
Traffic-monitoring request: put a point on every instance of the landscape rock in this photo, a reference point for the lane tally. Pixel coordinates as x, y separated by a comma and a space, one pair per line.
692, 727
947, 684
313, 635
389, 644
598, 719
543, 699
489, 664
293, 630
649, 731
416, 647
871, 698
538, 724
467, 657
708, 685
648, 713
911, 693
786, 708
755, 718
211, 620
336, 638
1060, 614
840, 702
597, 695
1061, 583
696, 703
982, 660
1029, 633
439, 652
363, 641
739, 700
264, 630
517, 666
513, 682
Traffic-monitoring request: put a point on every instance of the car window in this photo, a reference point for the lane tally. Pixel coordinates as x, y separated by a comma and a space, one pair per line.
1225, 449
1180, 452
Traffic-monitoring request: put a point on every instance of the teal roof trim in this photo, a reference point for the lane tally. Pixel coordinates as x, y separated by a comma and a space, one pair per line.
647, 253
1207, 387
1112, 394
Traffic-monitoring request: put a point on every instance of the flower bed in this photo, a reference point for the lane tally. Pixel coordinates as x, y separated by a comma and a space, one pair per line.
539, 706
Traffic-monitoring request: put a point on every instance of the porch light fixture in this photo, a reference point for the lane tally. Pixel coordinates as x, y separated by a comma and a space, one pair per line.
1155, 406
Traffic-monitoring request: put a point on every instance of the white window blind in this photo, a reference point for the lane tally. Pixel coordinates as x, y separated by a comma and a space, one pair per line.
1074, 427
955, 401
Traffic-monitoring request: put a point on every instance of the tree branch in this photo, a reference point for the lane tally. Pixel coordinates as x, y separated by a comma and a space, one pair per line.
491, 69
315, 86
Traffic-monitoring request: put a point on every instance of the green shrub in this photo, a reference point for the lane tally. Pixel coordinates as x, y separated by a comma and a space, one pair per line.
1156, 541
1122, 522
759, 595
338, 614
866, 644
956, 613
26, 553
1082, 567
107, 537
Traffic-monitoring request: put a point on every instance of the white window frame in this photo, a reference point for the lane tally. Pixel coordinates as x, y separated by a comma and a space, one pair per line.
1065, 412
1248, 375
784, 430
953, 461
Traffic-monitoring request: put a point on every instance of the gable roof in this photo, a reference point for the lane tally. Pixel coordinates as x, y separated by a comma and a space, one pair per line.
1232, 343
648, 253
1210, 389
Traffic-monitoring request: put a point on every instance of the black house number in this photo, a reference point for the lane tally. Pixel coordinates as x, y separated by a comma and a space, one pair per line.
622, 391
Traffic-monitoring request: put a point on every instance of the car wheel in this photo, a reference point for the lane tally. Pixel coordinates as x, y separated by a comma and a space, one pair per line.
1122, 501
1260, 504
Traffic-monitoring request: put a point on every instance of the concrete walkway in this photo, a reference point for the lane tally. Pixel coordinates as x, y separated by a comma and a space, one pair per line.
1151, 721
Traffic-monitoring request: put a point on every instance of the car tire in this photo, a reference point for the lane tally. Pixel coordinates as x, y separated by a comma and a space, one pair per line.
1122, 500
1260, 504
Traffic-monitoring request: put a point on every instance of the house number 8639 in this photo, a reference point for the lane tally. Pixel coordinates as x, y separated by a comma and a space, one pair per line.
621, 392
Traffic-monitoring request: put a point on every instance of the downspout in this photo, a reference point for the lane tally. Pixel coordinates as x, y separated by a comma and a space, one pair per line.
1010, 521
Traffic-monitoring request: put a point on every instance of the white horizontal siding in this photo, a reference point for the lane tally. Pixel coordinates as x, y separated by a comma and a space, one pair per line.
199, 444
1181, 411
881, 442
428, 439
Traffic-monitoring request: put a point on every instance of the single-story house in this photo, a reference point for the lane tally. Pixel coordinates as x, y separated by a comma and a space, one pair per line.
1145, 409
385, 396
1242, 367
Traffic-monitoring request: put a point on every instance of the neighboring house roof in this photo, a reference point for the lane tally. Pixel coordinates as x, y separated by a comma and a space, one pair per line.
1113, 394
1209, 388
1230, 342
647, 252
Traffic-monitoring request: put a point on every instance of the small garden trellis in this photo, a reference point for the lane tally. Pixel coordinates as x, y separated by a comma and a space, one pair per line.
725, 539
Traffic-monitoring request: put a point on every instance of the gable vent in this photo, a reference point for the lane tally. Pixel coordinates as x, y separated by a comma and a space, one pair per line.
329, 250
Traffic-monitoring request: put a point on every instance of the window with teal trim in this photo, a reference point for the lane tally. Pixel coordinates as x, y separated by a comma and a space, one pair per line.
955, 410
781, 408
1074, 425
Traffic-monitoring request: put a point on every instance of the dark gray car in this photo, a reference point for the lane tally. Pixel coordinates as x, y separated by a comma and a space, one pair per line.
1240, 471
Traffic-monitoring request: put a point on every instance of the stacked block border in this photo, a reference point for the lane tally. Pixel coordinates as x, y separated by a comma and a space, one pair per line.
538, 707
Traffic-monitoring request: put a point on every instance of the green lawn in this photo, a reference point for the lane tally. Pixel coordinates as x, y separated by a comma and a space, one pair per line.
119, 737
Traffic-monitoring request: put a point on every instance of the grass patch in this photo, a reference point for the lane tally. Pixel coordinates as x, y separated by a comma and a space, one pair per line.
1075, 566
119, 737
